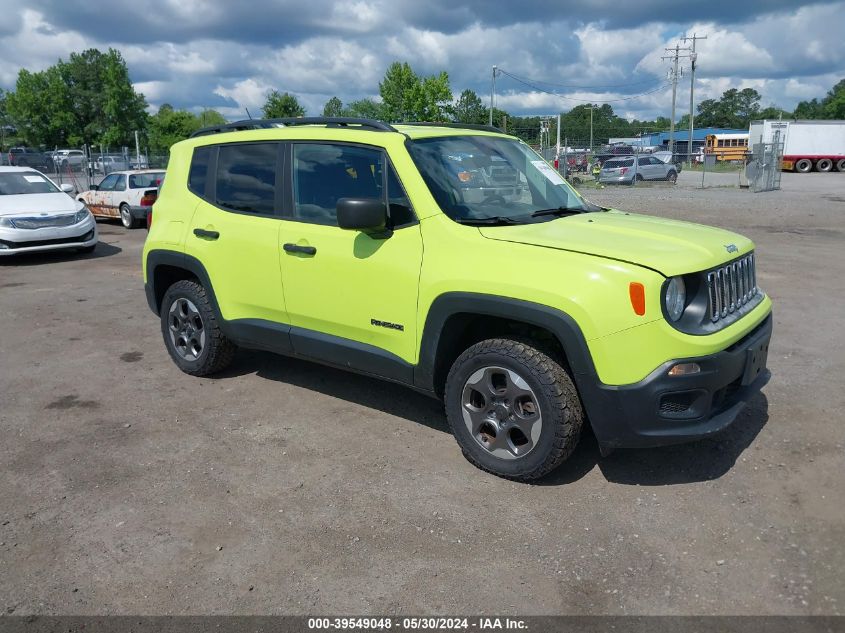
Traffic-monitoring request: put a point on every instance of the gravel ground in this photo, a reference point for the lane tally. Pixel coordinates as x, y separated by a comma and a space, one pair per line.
284, 487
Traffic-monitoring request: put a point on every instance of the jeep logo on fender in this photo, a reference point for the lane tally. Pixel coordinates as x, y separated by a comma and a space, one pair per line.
388, 325
731, 248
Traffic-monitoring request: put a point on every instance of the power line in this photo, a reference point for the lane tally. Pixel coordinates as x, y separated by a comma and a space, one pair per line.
574, 87
560, 96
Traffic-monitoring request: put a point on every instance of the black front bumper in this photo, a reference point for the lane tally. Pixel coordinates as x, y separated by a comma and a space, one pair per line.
663, 409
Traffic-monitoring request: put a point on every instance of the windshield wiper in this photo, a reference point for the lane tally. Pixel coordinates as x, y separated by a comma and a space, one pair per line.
558, 211
492, 220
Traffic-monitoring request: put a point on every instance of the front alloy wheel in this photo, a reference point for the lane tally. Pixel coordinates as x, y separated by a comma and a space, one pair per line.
512, 408
501, 412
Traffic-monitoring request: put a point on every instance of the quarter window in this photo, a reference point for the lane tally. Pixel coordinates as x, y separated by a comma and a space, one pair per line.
246, 177
199, 170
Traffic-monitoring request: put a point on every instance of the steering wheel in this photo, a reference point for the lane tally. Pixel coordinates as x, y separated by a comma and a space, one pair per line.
494, 199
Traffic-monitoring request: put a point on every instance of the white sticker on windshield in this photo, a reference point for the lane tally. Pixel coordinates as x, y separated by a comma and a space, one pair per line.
553, 177
34, 178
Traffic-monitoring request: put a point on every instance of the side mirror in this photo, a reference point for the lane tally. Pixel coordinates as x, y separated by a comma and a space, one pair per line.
95, 187
362, 214
66, 188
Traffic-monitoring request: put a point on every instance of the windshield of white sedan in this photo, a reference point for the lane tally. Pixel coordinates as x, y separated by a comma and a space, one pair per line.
21, 182
493, 180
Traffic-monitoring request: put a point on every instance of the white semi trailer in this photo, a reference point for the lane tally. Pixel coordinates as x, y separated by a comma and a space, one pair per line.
806, 144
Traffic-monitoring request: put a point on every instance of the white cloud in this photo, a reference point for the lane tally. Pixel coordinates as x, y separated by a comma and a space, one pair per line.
343, 49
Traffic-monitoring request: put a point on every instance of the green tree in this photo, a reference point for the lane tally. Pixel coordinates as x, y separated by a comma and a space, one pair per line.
41, 108
834, 102
432, 98
367, 109
88, 99
281, 105
124, 110
470, 109
809, 110
400, 90
735, 109
333, 107
208, 117
169, 126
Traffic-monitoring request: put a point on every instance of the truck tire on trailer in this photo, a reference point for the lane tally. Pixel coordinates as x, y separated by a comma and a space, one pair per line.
803, 165
824, 164
840, 165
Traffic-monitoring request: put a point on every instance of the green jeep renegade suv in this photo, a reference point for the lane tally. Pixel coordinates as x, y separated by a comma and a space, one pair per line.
454, 260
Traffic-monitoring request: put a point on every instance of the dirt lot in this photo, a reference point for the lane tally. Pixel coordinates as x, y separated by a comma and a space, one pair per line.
286, 487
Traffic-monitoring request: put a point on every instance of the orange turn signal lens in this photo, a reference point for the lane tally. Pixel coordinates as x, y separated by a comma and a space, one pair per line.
685, 369
637, 292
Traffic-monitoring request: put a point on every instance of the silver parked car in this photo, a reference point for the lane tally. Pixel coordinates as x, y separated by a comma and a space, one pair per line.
626, 170
36, 215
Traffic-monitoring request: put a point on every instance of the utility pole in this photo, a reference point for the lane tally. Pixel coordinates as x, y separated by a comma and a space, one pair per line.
592, 107
693, 56
674, 75
492, 95
557, 145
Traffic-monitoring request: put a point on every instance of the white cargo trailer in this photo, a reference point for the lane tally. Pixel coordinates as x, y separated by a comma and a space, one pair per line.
806, 144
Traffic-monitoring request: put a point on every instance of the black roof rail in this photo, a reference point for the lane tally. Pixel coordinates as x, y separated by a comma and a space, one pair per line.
466, 126
259, 124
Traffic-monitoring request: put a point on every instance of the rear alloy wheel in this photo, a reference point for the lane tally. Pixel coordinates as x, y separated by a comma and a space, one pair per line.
803, 165
840, 165
672, 177
513, 409
824, 164
126, 217
191, 331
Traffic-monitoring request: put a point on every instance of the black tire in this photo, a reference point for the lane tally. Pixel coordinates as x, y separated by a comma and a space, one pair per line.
840, 165
126, 218
824, 164
217, 351
556, 399
639, 178
803, 165
672, 177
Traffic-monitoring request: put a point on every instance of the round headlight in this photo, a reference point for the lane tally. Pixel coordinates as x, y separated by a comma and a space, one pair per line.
676, 296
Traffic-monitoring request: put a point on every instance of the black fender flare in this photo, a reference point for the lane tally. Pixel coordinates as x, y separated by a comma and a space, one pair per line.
562, 325
601, 404
162, 257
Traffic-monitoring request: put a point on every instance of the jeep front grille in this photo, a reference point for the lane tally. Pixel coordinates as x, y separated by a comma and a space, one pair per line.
731, 287
37, 222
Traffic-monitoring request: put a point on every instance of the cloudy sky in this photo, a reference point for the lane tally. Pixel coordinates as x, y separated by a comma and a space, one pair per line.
205, 53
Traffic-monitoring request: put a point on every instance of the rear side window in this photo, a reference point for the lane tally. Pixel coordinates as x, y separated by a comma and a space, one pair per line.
246, 177
144, 181
620, 163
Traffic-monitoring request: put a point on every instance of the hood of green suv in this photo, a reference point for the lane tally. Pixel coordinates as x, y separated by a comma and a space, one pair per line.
670, 247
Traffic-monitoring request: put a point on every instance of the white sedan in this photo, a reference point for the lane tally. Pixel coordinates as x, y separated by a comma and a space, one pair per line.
127, 195
37, 215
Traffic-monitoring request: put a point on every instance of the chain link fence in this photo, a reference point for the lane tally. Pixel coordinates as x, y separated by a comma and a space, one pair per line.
83, 168
764, 167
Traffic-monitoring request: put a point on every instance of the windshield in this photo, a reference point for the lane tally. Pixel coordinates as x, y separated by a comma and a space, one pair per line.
485, 177
139, 181
21, 182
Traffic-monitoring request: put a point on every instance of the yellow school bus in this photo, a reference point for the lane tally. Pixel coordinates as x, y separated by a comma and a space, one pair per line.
727, 146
